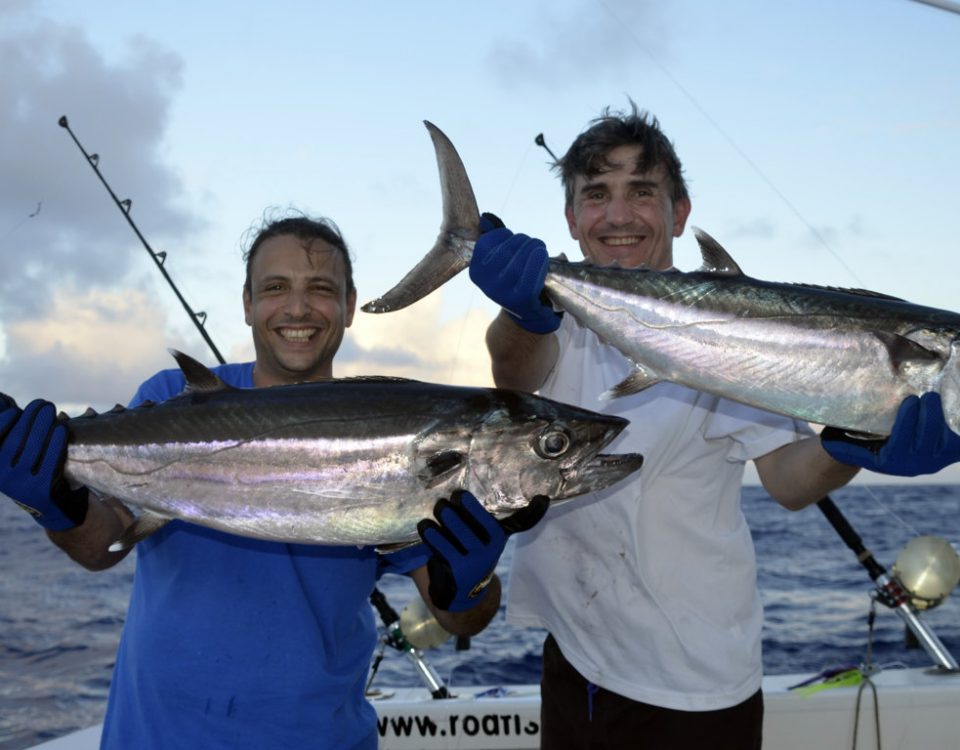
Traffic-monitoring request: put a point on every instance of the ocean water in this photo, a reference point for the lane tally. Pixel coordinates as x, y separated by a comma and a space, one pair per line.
59, 624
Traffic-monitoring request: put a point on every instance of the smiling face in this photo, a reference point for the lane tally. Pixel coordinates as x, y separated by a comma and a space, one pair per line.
624, 216
298, 306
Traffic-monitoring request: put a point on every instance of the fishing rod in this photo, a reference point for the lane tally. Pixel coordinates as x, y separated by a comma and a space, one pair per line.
889, 591
539, 140
198, 318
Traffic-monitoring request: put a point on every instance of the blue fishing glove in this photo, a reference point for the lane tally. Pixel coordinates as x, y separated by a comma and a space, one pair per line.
467, 542
919, 443
33, 449
510, 269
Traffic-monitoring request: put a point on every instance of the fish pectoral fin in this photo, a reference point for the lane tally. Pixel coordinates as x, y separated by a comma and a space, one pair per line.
638, 380
903, 350
140, 529
438, 467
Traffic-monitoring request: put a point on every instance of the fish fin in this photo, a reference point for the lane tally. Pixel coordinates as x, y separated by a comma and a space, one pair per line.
200, 378
903, 350
453, 249
439, 466
715, 258
386, 549
638, 380
847, 290
950, 388
140, 529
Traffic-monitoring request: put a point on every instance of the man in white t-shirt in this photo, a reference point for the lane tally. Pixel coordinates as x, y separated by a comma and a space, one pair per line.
648, 590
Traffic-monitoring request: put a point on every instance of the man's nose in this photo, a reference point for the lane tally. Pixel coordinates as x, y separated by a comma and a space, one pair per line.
298, 303
618, 211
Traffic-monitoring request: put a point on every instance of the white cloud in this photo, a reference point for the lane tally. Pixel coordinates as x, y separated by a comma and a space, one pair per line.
414, 343
90, 349
58, 226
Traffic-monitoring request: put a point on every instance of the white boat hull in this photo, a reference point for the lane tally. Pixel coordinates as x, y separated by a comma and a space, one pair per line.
919, 709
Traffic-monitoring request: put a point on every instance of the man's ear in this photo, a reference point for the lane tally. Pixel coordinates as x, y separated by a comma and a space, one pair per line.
351, 307
571, 221
247, 307
681, 212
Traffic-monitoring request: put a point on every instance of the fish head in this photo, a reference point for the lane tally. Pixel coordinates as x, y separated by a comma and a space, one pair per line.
529, 446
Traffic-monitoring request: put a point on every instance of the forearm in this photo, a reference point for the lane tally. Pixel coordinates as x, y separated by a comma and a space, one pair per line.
469, 622
88, 543
799, 474
520, 360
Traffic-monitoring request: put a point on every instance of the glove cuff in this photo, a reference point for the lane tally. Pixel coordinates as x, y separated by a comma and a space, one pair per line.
546, 322
71, 510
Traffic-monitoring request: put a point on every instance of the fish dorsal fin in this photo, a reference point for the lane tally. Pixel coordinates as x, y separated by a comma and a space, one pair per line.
858, 292
715, 258
200, 379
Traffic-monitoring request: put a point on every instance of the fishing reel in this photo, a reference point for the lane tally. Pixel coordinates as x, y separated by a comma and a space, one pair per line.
928, 569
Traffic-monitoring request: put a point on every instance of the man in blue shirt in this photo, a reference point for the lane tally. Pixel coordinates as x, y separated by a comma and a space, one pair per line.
233, 642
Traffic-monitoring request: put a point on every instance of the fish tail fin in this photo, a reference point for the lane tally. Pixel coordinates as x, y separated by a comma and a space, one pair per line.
454, 246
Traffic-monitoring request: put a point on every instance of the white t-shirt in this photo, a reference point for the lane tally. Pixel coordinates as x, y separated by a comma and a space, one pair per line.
649, 587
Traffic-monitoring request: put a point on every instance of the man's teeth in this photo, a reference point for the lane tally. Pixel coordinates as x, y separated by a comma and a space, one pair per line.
297, 334
621, 240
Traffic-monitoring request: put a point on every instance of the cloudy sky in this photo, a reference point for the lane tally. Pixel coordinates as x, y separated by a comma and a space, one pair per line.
821, 141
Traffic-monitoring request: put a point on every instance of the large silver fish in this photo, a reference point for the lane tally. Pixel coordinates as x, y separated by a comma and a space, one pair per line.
837, 357
352, 461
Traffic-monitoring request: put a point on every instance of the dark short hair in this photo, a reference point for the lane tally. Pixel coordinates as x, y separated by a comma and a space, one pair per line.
588, 154
305, 229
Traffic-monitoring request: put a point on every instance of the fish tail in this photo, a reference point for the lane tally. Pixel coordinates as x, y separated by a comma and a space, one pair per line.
454, 246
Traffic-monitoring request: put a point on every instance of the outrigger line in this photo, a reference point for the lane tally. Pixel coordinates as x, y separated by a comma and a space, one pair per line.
198, 318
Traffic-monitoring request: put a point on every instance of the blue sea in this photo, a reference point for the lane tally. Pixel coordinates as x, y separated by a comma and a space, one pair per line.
59, 624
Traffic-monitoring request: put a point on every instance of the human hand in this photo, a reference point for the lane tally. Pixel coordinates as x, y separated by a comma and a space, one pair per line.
920, 442
467, 542
33, 449
510, 269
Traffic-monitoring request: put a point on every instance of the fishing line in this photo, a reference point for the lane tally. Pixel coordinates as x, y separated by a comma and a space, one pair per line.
23, 221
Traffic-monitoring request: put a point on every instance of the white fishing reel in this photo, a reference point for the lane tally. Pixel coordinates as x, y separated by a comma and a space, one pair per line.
420, 627
928, 569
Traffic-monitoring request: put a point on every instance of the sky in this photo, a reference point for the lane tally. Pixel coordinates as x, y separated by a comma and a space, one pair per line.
820, 140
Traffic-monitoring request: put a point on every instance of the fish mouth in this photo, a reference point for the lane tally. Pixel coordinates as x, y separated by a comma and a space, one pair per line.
597, 473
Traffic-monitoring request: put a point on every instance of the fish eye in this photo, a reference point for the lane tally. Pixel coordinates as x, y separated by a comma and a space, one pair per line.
553, 442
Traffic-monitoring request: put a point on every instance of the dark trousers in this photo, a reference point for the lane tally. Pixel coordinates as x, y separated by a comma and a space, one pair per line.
577, 715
